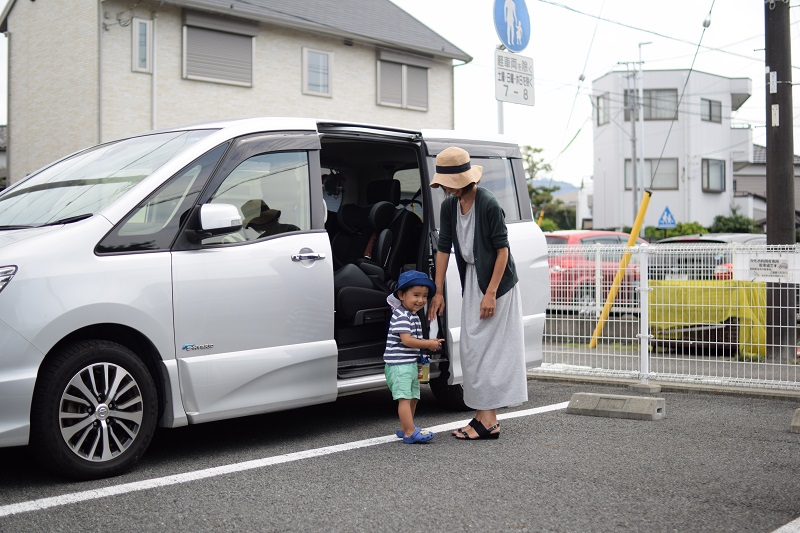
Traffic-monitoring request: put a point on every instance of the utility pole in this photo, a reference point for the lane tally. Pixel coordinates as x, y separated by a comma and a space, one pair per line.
640, 109
780, 139
781, 312
633, 107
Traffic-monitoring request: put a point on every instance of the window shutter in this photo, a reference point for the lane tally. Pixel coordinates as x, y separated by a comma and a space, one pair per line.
417, 87
219, 56
391, 83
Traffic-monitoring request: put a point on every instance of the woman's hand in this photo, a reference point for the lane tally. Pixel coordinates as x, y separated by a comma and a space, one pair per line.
488, 305
435, 306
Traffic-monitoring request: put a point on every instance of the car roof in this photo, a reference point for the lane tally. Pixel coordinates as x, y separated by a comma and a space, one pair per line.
717, 237
583, 232
570, 236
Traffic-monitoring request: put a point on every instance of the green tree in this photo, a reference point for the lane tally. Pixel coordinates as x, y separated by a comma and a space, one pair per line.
736, 223
548, 225
652, 233
559, 215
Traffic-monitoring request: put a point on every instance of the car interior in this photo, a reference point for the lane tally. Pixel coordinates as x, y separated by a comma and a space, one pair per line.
372, 191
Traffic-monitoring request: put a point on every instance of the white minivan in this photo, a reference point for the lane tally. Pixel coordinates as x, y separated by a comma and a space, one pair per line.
223, 270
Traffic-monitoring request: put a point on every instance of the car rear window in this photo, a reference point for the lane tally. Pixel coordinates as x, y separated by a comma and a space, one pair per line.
551, 239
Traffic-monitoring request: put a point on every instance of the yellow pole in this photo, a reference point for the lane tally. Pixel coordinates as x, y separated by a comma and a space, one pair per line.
541, 217
623, 264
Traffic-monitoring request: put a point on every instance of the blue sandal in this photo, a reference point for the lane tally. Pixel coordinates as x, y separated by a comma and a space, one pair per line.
401, 434
419, 436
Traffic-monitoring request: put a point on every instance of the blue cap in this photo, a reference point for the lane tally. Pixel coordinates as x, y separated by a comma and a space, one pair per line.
415, 278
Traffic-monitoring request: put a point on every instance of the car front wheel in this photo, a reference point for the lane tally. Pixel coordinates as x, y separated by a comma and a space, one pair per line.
94, 410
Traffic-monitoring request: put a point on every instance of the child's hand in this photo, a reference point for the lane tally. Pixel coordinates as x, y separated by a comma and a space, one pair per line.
435, 344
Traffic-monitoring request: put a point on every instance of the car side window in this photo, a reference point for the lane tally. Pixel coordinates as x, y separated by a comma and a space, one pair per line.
410, 193
498, 178
605, 241
154, 225
271, 192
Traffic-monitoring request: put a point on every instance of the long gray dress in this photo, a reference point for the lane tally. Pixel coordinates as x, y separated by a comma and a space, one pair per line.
492, 349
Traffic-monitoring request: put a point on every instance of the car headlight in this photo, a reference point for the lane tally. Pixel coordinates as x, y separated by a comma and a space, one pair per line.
6, 273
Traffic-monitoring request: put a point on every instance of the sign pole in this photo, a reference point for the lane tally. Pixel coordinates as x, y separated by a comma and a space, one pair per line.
500, 124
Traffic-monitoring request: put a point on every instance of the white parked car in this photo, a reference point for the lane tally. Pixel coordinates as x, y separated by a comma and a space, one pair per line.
222, 270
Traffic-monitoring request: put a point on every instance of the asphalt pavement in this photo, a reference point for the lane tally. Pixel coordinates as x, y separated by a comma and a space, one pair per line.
714, 463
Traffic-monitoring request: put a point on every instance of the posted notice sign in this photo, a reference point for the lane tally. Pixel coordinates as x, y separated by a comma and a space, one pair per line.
777, 267
513, 78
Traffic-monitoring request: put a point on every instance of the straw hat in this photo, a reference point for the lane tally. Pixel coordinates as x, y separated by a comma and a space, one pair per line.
454, 170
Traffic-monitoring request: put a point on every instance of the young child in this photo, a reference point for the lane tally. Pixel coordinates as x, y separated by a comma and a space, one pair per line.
403, 345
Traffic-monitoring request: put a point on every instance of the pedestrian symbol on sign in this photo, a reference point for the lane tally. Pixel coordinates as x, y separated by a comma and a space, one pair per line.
513, 24
667, 221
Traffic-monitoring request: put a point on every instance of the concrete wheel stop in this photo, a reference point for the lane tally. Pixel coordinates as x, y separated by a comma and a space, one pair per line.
617, 406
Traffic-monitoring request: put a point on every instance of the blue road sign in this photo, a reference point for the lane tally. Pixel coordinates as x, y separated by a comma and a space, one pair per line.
512, 23
667, 221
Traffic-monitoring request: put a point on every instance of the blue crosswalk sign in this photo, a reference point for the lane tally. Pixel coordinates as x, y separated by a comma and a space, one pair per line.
667, 221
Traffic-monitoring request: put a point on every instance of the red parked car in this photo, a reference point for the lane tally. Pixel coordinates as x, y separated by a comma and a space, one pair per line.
574, 271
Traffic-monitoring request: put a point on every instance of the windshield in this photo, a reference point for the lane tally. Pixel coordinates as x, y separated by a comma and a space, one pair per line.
87, 182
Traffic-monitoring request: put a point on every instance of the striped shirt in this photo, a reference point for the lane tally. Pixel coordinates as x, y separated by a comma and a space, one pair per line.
403, 321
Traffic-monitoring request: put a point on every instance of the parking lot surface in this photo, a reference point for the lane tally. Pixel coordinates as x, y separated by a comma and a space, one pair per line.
715, 463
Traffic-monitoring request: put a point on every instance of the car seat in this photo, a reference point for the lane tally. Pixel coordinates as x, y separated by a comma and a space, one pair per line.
353, 235
383, 191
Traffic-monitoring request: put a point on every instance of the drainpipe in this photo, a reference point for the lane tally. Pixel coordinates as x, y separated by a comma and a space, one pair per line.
99, 71
153, 54
9, 111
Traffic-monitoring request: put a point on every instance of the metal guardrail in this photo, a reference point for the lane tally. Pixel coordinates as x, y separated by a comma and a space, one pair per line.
725, 314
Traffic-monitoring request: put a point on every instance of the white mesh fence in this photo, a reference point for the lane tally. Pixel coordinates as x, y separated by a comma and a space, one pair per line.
705, 313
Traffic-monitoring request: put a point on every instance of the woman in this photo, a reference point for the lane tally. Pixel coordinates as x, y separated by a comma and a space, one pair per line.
492, 345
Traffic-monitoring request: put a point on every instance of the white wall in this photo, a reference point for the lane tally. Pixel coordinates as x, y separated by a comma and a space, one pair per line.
52, 82
61, 115
689, 139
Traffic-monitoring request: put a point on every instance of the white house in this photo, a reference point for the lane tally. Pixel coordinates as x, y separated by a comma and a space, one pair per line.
83, 72
750, 186
688, 162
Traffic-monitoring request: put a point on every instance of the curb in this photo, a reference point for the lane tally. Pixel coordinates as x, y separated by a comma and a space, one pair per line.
668, 386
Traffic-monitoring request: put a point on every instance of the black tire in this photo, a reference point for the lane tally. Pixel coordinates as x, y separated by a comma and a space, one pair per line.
451, 397
79, 432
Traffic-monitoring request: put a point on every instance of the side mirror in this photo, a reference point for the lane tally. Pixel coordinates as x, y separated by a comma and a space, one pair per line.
216, 219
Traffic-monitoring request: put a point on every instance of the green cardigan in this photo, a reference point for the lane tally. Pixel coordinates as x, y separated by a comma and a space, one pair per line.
490, 235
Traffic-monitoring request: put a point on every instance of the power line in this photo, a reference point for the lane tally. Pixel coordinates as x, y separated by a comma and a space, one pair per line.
575, 99
685, 83
652, 32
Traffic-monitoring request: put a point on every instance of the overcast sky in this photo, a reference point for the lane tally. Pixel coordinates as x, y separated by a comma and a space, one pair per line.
570, 38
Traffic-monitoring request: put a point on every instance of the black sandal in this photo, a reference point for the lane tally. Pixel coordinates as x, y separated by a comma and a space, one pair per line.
482, 431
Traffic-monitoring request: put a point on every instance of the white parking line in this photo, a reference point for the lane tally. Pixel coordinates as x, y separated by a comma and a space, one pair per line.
791, 527
94, 494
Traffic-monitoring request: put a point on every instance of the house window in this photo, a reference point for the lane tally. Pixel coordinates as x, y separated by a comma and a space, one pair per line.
218, 49
603, 115
710, 110
658, 104
142, 45
665, 178
403, 80
713, 175
317, 68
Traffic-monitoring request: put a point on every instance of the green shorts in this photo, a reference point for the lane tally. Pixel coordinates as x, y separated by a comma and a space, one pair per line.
403, 381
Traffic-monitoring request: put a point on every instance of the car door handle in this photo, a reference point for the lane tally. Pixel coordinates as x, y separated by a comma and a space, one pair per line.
313, 256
